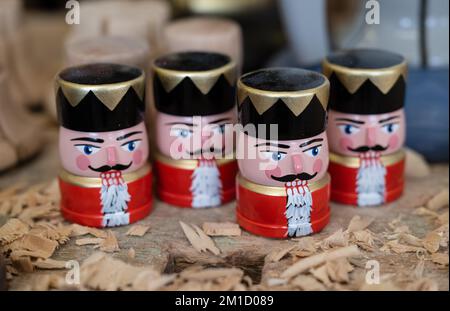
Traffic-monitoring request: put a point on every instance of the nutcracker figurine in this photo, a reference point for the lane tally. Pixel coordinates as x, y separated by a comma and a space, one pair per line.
366, 127
195, 102
106, 180
282, 151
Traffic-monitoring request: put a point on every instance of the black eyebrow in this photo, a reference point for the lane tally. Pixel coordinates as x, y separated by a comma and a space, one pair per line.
388, 119
220, 120
128, 135
312, 148
273, 144
312, 141
89, 139
349, 120
182, 123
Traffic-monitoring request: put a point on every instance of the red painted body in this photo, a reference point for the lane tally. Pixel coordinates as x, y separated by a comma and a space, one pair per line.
174, 183
82, 205
343, 182
264, 214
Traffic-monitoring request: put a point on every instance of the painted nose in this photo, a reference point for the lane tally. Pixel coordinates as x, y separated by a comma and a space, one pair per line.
371, 136
111, 156
297, 163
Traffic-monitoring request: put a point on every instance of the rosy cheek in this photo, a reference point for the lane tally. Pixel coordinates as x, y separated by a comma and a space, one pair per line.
275, 172
394, 141
317, 166
83, 162
137, 157
345, 143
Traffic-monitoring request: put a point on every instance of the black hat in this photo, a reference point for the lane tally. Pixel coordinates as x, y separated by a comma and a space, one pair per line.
100, 97
293, 99
366, 81
194, 83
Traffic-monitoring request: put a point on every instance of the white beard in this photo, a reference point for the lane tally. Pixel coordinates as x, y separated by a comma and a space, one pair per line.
206, 186
370, 181
298, 208
114, 199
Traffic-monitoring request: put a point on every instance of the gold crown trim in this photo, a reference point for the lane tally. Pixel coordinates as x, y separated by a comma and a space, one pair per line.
279, 191
352, 78
203, 80
296, 101
190, 164
109, 94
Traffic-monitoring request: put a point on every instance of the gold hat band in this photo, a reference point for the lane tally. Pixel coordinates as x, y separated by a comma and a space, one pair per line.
353, 78
354, 162
296, 101
109, 94
95, 182
279, 191
204, 80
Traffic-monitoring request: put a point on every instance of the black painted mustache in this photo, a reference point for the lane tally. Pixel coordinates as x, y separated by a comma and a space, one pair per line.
106, 168
292, 177
367, 148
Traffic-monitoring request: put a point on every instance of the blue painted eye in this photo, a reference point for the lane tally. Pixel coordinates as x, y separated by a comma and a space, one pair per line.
87, 149
313, 152
278, 156
131, 146
390, 128
221, 129
348, 129
183, 133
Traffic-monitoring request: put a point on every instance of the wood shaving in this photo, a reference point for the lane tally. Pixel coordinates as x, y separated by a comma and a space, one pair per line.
432, 242
43, 282
416, 165
398, 248
424, 284
211, 273
34, 246
221, 229
338, 270
307, 283
12, 230
337, 239
439, 200
89, 241
358, 223
198, 239
440, 258
50, 264
423, 211
137, 230
306, 247
22, 264
110, 244
316, 260
78, 230
411, 239
364, 239
321, 274
277, 255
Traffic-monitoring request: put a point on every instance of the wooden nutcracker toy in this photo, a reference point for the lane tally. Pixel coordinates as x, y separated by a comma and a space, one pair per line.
195, 104
366, 128
106, 180
282, 151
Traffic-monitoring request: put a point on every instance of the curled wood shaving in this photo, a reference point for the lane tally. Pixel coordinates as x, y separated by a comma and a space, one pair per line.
337, 239
358, 223
12, 230
416, 165
221, 229
89, 241
440, 258
316, 260
78, 230
109, 244
439, 200
432, 242
138, 230
198, 239
277, 255
50, 264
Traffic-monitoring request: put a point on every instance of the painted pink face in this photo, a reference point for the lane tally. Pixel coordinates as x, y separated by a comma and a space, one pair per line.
192, 137
89, 154
273, 163
351, 134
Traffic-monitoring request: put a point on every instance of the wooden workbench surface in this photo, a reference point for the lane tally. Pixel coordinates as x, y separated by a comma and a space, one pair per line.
166, 248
